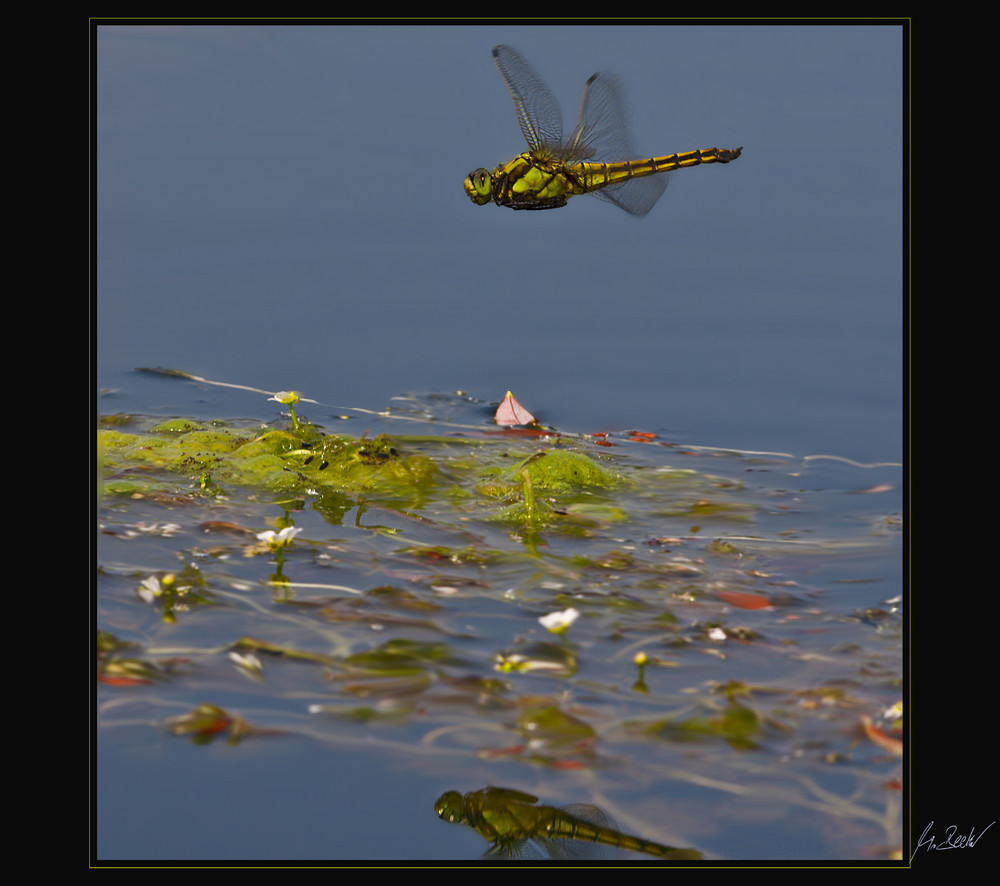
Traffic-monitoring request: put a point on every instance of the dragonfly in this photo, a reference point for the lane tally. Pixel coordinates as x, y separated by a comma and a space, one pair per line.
509, 819
599, 157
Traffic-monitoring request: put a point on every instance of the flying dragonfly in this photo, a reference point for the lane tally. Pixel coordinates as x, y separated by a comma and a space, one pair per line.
510, 820
599, 157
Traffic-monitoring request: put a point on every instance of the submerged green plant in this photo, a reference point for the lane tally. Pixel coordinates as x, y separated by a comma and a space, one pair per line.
281, 462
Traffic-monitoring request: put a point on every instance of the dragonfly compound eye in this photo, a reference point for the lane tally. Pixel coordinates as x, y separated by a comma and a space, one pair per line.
479, 186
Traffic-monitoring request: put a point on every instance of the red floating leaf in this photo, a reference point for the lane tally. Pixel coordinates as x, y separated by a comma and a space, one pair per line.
513, 750
742, 600
122, 681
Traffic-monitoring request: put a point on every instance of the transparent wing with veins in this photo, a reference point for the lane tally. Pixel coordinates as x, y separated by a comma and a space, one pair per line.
603, 130
538, 111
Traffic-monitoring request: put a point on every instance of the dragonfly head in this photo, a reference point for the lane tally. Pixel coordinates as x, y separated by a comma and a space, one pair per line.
450, 806
479, 186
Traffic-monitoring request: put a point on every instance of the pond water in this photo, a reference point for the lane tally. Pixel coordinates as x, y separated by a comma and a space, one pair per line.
281, 207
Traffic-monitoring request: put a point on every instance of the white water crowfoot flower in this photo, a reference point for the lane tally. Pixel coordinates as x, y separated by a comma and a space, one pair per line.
558, 622
280, 539
167, 530
248, 663
153, 587
150, 589
166, 593
289, 399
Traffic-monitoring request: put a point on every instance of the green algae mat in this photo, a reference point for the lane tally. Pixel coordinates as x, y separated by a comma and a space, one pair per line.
605, 618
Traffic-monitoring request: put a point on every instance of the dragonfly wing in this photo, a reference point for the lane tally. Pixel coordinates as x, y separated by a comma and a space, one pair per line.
604, 126
492, 791
637, 195
505, 849
604, 133
537, 109
562, 847
539, 847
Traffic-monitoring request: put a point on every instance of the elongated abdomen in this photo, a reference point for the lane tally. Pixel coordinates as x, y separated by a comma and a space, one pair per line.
557, 824
598, 175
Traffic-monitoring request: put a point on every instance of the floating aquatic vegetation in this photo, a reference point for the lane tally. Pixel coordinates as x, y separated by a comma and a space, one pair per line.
560, 603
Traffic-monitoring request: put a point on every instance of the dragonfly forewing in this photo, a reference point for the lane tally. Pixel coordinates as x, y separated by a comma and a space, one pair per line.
538, 112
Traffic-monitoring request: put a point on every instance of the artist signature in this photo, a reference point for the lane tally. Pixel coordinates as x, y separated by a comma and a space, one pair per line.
952, 839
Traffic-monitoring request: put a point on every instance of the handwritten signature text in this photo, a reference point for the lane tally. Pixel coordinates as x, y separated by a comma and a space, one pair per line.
952, 839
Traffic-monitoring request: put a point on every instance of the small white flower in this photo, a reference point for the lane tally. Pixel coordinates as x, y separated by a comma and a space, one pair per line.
716, 634
559, 621
167, 530
286, 397
249, 663
280, 539
150, 589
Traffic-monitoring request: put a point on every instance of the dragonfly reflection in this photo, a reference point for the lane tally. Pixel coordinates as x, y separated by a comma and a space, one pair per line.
511, 821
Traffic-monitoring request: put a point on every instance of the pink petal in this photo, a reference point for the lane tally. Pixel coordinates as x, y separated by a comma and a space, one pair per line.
510, 412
